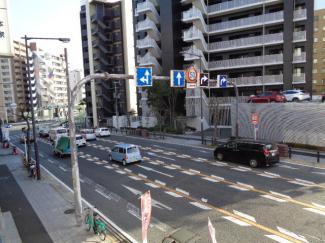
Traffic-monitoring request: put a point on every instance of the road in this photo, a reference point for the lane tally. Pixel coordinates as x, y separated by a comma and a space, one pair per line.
282, 203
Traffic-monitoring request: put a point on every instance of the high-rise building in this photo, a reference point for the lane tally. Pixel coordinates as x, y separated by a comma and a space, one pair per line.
107, 42
50, 77
260, 45
74, 78
319, 53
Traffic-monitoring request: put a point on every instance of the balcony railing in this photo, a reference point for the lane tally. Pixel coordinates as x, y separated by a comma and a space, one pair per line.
246, 62
148, 6
252, 81
301, 57
194, 13
299, 36
246, 22
147, 24
300, 14
246, 42
235, 4
299, 78
194, 33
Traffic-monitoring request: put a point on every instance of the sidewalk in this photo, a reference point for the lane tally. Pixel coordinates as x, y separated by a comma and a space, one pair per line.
39, 212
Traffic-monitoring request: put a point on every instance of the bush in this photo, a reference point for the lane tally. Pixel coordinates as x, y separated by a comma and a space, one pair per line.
305, 146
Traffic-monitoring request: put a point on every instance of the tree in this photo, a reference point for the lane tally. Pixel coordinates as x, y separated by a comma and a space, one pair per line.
128, 116
163, 98
82, 102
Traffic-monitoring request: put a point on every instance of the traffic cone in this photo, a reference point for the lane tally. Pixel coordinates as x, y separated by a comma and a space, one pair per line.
15, 152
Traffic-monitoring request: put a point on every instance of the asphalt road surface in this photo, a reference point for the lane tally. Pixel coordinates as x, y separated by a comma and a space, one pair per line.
281, 203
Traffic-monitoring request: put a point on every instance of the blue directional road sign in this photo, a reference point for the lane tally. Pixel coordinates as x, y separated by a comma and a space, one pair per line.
223, 81
204, 80
177, 78
143, 76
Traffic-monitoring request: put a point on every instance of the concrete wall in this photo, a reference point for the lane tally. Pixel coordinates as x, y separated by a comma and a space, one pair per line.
302, 123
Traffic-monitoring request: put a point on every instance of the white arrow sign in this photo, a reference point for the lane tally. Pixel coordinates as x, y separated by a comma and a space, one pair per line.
204, 79
179, 76
223, 80
145, 80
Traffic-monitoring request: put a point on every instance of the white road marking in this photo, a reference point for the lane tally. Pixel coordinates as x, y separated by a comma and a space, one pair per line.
180, 156
238, 169
299, 183
105, 161
98, 163
223, 163
176, 166
318, 205
218, 177
236, 221
320, 173
310, 182
81, 180
127, 170
268, 176
96, 158
199, 205
202, 159
115, 165
135, 178
152, 185
272, 174
159, 150
243, 184
62, 168
121, 172
108, 167
202, 151
101, 193
204, 200
160, 182
196, 171
196, 160
170, 168
88, 155
286, 232
314, 210
278, 239
150, 169
209, 179
144, 176
153, 163
182, 191
186, 155
82, 157
246, 216
102, 148
163, 147
273, 198
217, 164
289, 167
187, 172
160, 161
281, 195
239, 188
89, 159
173, 194
246, 168
41, 155
172, 152
50, 161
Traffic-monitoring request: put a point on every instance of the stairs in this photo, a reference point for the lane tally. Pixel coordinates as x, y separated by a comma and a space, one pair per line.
8, 230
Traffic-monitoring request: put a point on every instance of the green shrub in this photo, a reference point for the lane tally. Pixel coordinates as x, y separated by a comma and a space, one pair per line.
305, 146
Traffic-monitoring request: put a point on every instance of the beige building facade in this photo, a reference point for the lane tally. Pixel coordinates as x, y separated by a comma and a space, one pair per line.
319, 53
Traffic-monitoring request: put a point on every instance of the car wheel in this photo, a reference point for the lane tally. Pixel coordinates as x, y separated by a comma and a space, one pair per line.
295, 99
219, 156
272, 101
110, 158
99, 135
61, 155
124, 162
252, 101
253, 163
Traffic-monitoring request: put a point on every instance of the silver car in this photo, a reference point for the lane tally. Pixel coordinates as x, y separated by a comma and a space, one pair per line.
296, 95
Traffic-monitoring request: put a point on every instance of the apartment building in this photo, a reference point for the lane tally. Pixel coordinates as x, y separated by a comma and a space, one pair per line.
259, 44
51, 84
74, 78
107, 42
319, 53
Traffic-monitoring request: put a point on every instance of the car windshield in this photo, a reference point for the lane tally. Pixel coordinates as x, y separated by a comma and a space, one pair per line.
78, 138
133, 150
269, 147
90, 131
104, 130
61, 131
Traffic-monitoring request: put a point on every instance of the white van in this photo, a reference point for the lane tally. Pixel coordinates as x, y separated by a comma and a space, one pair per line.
88, 134
58, 132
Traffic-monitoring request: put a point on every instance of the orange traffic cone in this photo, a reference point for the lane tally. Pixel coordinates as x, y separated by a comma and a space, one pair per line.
15, 152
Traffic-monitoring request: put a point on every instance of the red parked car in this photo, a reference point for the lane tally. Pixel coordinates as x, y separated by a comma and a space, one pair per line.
267, 97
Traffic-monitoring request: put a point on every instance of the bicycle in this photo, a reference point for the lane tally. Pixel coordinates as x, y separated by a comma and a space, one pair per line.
95, 223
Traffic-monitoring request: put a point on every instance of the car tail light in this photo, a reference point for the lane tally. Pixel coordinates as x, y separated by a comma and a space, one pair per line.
84, 139
140, 154
266, 151
126, 156
304, 94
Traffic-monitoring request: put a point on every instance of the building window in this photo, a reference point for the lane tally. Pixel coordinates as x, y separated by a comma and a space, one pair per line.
323, 16
315, 29
315, 18
314, 71
316, 50
323, 91
323, 27
323, 71
323, 38
315, 81
315, 60
323, 60
316, 39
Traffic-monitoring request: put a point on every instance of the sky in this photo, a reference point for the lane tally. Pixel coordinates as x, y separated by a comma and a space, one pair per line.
51, 19
319, 4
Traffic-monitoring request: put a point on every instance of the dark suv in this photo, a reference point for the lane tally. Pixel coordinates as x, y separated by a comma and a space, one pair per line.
323, 97
250, 152
267, 97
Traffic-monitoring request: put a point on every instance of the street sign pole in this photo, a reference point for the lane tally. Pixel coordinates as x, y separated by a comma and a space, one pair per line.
254, 133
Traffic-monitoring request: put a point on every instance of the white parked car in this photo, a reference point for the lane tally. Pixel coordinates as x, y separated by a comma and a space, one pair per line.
296, 95
88, 134
102, 131
80, 140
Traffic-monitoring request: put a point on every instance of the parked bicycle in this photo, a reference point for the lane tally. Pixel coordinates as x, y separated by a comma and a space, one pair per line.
31, 167
95, 223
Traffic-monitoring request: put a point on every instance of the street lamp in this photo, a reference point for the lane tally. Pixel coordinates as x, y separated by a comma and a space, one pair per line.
64, 40
200, 56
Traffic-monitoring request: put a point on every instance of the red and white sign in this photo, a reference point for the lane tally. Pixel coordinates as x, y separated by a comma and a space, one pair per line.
191, 75
146, 214
191, 85
254, 118
212, 232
